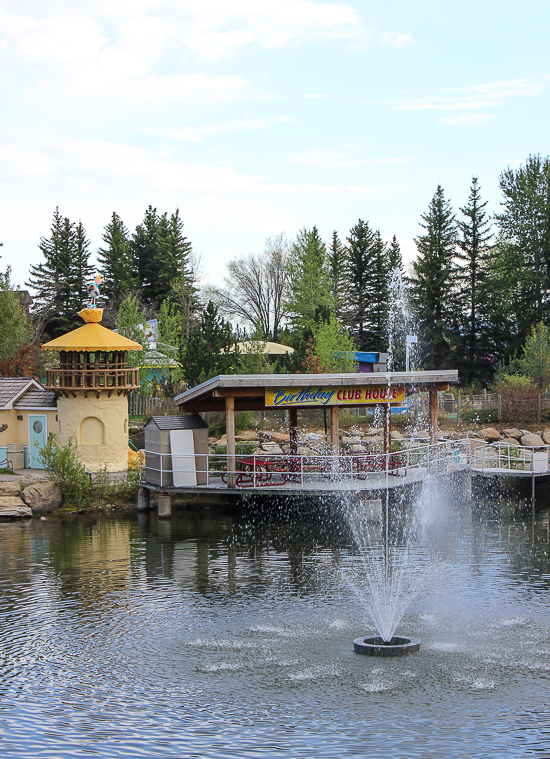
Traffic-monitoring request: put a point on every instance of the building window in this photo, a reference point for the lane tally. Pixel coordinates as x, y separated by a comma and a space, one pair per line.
92, 431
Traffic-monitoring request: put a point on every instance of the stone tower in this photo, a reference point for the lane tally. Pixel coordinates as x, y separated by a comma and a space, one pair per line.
92, 383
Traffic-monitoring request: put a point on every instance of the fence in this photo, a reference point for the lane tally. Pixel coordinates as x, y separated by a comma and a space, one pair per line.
144, 405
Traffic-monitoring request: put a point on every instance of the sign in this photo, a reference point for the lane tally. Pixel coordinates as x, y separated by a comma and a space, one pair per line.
334, 396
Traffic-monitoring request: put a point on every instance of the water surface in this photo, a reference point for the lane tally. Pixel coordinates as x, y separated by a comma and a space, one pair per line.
212, 636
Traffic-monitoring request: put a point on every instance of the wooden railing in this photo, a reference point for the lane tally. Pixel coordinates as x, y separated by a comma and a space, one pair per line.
64, 380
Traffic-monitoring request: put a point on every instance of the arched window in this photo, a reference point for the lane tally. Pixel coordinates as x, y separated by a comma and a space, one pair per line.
92, 431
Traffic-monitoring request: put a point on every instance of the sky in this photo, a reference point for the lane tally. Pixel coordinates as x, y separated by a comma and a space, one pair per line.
255, 118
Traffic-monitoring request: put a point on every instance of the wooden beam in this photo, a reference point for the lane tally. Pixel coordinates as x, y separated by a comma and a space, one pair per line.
230, 432
433, 416
293, 429
441, 387
335, 430
200, 406
238, 392
387, 428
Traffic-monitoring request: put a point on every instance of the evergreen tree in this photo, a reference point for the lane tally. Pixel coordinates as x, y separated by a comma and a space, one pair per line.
368, 295
115, 262
309, 291
174, 252
16, 352
536, 356
60, 280
433, 280
206, 353
525, 224
145, 252
80, 272
473, 242
338, 272
395, 259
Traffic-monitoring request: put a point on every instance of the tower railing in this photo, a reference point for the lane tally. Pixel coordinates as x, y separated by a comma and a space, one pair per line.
60, 379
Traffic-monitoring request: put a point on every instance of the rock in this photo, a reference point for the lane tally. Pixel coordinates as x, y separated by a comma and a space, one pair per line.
358, 447
513, 432
42, 497
246, 435
13, 508
303, 450
532, 440
396, 435
10, 488
509, 441
271, 448
280, 437
476, 443
546, 436
489, 434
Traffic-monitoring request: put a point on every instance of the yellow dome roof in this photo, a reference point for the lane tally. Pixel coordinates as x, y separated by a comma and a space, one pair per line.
91, 337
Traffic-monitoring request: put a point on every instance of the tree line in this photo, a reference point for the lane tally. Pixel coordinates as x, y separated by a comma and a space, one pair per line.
477, 289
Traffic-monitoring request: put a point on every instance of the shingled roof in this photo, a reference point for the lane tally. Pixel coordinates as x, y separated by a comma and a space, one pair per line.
178, 422
12, 387
34, 398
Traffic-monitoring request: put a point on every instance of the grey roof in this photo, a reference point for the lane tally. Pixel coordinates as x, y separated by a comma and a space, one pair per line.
178, 422
34, 398
11, 387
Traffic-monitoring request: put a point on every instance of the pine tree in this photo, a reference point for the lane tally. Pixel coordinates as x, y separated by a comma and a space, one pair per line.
309, 292
525, 224
145, 253
81, 272
368, 296
115, 262
473, 242
433, 280
395, 259
206, 353
361, 242
338, 272
174, 253
60, 279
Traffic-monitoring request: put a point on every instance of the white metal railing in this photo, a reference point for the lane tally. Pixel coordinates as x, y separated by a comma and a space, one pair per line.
257, 471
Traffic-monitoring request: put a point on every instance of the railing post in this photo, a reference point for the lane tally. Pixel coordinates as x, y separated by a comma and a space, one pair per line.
458, 409
538, 407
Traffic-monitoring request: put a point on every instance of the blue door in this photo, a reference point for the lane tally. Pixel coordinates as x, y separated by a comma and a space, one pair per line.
38, 434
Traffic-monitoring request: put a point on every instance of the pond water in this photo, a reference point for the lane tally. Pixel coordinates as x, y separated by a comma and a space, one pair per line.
213, 635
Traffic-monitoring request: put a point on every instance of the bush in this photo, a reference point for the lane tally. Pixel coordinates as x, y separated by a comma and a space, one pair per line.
63, 467
481, 416
518, 396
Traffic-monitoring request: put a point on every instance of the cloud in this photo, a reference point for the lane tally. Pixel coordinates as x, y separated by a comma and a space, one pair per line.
396, 39
198, 133
336, 159
467, 118
474, 97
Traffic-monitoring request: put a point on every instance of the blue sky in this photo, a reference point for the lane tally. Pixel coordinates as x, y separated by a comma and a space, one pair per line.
257, 118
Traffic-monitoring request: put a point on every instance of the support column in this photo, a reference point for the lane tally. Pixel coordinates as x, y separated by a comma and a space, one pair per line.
144, 499
164, 506
335, 430
433, 416
293, 430
387, 428
230, 434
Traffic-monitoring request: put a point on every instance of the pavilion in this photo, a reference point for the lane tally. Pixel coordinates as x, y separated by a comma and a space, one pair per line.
264, 392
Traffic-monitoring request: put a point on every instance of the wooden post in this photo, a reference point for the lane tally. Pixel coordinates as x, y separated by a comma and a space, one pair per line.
538, 407
335, 430
458, 409
230, 434
433, 416
293, 430
387, 428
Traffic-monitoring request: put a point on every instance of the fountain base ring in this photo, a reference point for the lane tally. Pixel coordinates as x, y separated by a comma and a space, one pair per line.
375, 646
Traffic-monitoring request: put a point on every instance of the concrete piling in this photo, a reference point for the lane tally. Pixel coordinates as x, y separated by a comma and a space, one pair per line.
144, 499
164, 506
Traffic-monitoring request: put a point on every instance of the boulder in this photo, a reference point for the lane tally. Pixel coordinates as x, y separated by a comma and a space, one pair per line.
13, 508
532, 440
489, 434
280, 437
245, 435
546, 436
10, 488
358, 447
513, 432
509, 441
42, 497
274, 448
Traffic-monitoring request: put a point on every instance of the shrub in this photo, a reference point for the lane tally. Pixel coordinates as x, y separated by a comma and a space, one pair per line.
518, 396
63, 467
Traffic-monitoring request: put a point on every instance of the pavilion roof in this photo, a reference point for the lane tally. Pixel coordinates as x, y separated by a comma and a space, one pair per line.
249, 389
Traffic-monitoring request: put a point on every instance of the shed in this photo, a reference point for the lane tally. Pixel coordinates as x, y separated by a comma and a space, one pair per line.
176, 450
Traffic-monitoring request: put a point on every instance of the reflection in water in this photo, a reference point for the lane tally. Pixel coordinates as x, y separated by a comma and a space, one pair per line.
212, 635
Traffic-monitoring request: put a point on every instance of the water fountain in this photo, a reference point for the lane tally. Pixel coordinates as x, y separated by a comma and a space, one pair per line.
386, 583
